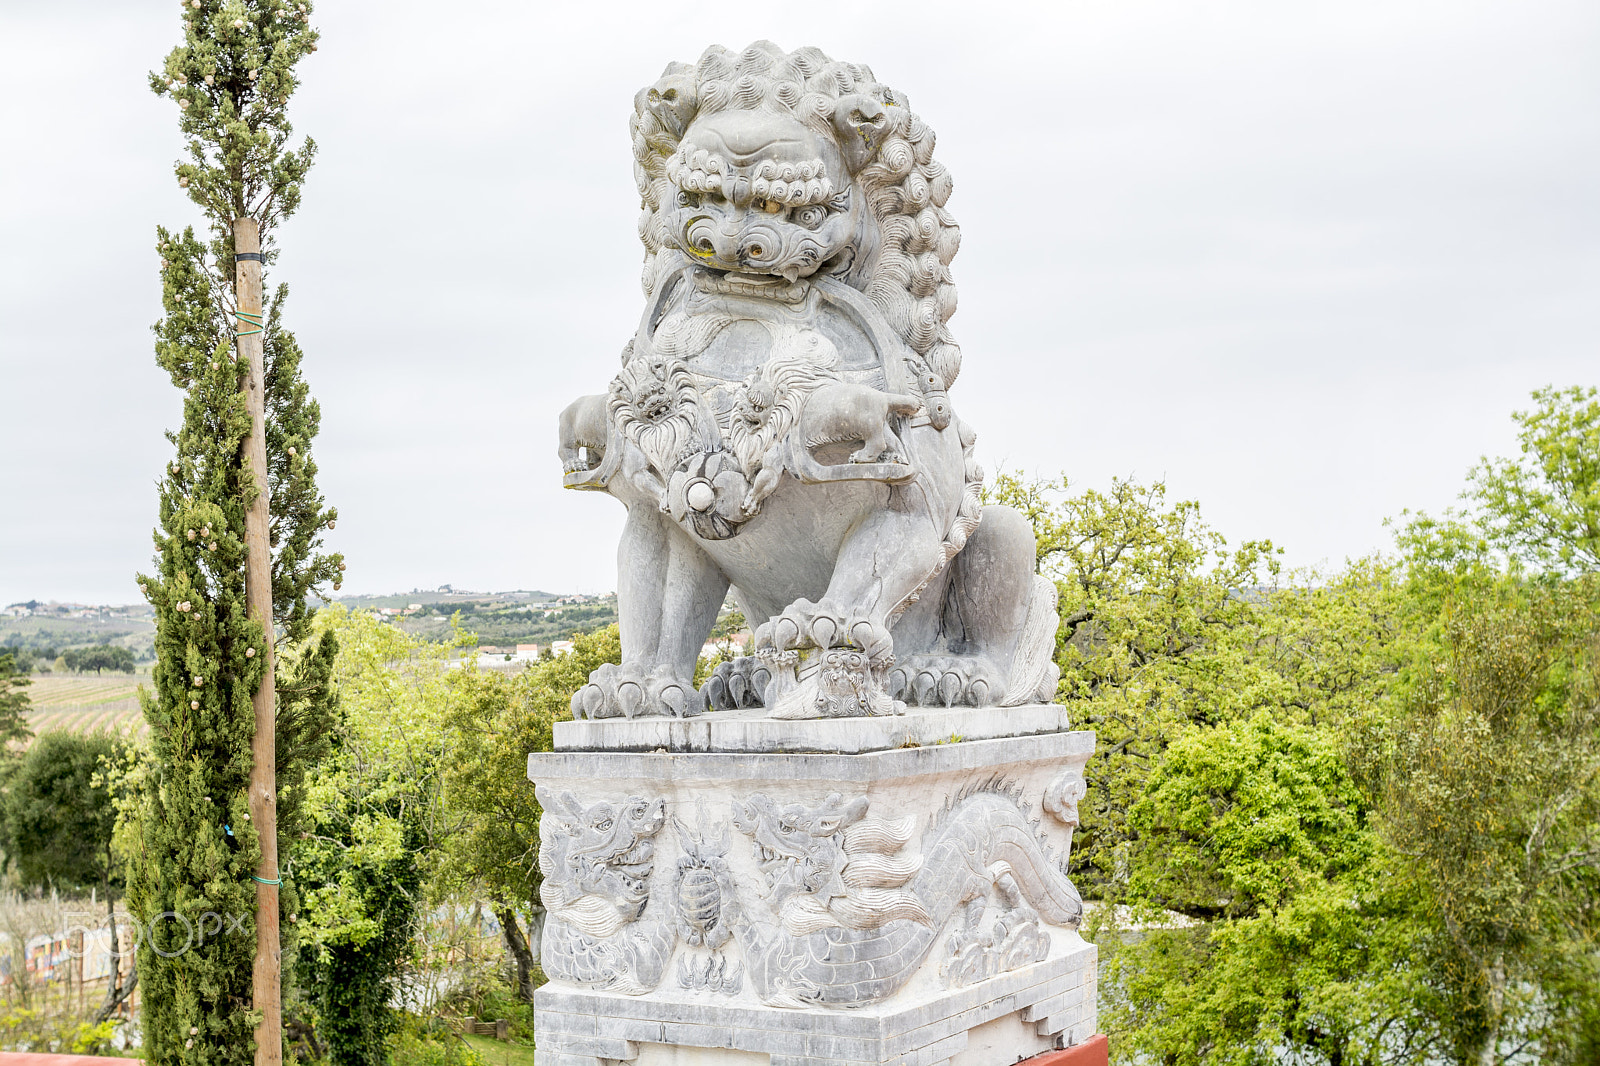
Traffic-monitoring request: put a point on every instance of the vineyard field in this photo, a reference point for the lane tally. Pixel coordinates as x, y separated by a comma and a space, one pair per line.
86, 704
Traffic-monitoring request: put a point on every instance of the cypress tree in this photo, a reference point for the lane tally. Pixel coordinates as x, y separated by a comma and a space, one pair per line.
192, 883
14, 702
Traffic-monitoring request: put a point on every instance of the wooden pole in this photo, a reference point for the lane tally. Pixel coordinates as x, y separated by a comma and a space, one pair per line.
267, 985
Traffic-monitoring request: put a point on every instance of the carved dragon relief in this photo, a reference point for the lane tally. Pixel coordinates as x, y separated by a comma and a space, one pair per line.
781, 423
847, 918
595, 861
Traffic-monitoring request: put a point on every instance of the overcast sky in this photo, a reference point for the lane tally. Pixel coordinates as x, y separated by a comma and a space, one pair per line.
1301, 260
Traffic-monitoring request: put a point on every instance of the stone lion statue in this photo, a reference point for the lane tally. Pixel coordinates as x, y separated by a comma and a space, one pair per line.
781, 423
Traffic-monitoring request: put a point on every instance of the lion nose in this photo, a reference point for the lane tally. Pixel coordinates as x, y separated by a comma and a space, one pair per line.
719, 245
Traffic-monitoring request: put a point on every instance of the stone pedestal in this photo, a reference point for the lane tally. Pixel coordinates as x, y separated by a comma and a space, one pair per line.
731, 889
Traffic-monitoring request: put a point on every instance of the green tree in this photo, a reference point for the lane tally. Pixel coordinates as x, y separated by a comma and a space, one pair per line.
352, 977
423, 798
99, 658
1165, 629
231, 79
57, 817
1146, 589
23, 659
1486, 769
495, 721
1543, 507
1489, 783
1304, 950
14, 702
1270, 922
1353, 814
375, 826
1240, 816
1221, 809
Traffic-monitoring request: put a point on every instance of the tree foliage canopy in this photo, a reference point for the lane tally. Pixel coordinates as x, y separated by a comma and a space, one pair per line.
99, 658
57, 813
1353, 815
423, 799
1543, 507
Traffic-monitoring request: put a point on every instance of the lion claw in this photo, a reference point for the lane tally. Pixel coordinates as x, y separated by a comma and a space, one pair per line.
629, 696
804, 624
625, 692
737, 684
945, 681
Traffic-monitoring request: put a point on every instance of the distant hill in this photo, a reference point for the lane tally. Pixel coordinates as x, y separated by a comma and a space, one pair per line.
507, 618
498, 619
38, 627
449, 595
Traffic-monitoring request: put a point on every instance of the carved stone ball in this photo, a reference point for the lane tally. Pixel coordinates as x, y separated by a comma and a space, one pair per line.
700, 496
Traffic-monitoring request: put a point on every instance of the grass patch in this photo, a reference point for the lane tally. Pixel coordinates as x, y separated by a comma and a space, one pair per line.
498, 1053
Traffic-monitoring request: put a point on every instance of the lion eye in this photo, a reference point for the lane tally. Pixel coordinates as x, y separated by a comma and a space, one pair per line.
810, 216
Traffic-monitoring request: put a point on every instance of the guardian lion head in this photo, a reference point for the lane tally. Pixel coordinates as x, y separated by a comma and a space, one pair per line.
654, 404
765, 167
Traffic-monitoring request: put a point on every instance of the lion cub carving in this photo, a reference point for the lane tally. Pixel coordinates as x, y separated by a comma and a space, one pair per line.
781, 424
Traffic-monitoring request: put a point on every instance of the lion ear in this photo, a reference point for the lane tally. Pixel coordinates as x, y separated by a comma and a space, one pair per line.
672, 100
863, 126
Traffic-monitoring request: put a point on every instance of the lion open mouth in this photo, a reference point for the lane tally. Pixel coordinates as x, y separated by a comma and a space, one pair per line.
717, 282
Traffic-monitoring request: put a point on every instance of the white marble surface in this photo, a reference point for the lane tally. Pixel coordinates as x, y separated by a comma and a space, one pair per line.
750, 730
778, 870
1047, 1005
781, 427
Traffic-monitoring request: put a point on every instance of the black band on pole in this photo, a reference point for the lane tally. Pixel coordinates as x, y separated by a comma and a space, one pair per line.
239, 257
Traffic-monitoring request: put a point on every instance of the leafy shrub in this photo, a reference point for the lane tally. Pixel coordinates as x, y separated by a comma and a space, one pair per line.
488, 995
429, 1043
22, 1029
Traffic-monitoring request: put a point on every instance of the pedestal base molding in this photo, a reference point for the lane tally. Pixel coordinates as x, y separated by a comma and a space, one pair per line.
1045, 1006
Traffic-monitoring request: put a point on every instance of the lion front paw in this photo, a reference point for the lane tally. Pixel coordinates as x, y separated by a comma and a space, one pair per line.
804, 624
946, 680
736, 684
626, 691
